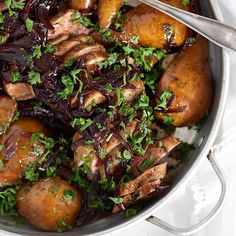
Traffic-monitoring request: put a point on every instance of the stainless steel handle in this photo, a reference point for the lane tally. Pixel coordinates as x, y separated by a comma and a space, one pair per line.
190, 230
215, 31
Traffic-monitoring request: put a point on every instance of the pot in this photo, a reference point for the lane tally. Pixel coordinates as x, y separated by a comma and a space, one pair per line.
202, 140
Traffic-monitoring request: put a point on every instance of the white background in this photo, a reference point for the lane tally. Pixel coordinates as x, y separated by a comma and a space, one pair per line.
194, 200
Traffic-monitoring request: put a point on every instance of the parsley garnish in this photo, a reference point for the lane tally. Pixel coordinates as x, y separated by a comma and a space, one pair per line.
8, 202
69, 195
15, 76
34, 77
146, 164
29, 24
186, 2
163, 101
117, 200
49, 48
69, 87
37, 52
13, 5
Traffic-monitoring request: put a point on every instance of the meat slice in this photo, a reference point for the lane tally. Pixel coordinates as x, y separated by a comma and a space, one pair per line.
63, 47
63, 25
141, 193
19, 91
84, 150
96, 97
83, 49
8, 108
155, 151
155, 173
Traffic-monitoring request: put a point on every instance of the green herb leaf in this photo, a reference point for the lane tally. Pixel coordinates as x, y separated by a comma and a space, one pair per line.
186, 2
69, 87
130, 212
29, 24
15, 76
146, 164
118, 200
69, 195
163, 101
34, 77
37, 52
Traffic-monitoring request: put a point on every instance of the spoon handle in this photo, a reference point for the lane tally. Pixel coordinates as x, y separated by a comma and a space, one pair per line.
217, 32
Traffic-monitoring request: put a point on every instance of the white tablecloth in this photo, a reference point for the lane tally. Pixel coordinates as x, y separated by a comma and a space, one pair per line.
194, 200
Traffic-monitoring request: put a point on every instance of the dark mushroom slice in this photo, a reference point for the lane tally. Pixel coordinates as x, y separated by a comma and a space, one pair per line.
8, 108
50, 204
107, 10
17, 149
154, 153
64, 25
19, 91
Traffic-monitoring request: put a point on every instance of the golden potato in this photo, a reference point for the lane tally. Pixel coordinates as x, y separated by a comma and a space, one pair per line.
188, 78
107, 10
154, 28
8, 108
50, 204
17, 150
81, 4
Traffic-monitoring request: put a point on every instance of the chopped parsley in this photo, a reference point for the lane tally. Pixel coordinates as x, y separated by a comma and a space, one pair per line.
168, 119
186, 2
15, 76
163, 100
29, 25
117, 200
37, 52
69, 87
8, 202
13, 5
146, 164
49, 48
34, 77
130, 212
69, 195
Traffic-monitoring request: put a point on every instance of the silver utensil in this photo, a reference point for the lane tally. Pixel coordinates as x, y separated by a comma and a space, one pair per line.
217, 32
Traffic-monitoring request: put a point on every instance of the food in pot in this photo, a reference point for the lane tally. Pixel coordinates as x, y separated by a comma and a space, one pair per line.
91, 93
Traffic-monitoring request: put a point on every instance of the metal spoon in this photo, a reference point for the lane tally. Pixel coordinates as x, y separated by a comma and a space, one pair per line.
217, 32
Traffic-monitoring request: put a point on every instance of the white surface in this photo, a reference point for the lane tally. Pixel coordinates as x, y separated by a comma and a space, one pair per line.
197, 197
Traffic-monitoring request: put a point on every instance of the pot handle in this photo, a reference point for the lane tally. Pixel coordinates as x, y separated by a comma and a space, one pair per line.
193, 229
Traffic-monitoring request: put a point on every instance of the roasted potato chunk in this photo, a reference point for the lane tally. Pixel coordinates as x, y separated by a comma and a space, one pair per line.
188, 78
81, 4
154, 28
50, 204
8, 108
17, 149
107, 10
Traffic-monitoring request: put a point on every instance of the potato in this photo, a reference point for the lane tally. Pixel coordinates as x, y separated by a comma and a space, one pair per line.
17, 149
8, 108
50, 204
154, 28
188, 78
81, 4
107, 10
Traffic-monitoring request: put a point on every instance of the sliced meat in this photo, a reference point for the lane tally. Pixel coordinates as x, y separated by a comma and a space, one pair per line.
83, 151
90, 60
155, 151
63, 25
8, 108
19, 91
67, 45
83, 49
141, 193
59, 39
155, 173
128, 93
